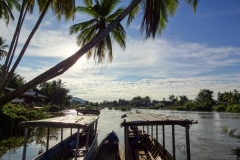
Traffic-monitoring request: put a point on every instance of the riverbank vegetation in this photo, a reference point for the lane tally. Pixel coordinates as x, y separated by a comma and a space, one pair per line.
226, 102
231, 132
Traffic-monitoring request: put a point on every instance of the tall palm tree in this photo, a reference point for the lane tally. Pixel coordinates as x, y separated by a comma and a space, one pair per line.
150, 26
3, 53
102, 16
6, 7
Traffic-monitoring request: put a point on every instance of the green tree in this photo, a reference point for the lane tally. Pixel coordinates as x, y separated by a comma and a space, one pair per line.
15, 81
6, 7
3, 46
182, 100
155, 17
102, 16
205, 100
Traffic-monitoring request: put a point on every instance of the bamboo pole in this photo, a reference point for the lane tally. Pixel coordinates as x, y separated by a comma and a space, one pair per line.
173, 142
25, 144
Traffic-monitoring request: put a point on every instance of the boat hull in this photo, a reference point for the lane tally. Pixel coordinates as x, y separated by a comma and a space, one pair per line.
143, 146
62, 150
108, 148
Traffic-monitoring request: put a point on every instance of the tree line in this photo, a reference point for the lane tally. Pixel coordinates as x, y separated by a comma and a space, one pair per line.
226, 101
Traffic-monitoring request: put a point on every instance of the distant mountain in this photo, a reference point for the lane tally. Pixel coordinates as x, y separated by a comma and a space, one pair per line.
78, 99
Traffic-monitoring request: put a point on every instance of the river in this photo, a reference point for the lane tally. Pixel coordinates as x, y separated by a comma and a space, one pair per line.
206, 139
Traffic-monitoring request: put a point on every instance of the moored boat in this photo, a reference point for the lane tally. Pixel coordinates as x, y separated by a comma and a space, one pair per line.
79, 145
140, 145
108, 148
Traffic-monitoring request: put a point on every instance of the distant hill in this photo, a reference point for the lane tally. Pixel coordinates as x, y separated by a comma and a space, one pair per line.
78, 99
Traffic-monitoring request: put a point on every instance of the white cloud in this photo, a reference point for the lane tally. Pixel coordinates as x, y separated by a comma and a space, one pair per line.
154, 68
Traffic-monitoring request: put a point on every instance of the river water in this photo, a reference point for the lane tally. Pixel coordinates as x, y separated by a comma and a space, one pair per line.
206, 139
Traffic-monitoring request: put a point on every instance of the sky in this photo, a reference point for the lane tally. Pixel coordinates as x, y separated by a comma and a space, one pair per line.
196, 51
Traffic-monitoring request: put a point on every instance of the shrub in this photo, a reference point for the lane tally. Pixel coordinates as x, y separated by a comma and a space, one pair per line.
220, 108
233, 108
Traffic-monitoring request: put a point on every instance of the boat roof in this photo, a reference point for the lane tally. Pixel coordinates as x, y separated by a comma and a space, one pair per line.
145, 119
76, 121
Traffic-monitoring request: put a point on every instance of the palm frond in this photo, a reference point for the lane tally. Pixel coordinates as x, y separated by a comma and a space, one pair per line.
193, 3
109, 48
86, 10
119, 36
64, 8
80, 26
132, 15
115, 14
107, 6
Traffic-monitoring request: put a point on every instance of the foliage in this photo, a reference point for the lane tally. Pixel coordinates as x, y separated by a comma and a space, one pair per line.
231, 132
56, 92
233, 108
6, 7
231, 97
125, 108
16, 80
220, 108
11, 115
204, 100
3, 53
236, 152
190, 105
110, 108
102, 16
6, 144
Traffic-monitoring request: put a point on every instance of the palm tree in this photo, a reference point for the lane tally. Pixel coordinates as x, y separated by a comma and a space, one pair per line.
3, 53
6, 7
102, 16
60, 8
156, 14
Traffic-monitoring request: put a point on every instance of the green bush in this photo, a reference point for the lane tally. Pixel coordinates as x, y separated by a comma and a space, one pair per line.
220, 108
125, 108
233, 108
11, 115
190, 105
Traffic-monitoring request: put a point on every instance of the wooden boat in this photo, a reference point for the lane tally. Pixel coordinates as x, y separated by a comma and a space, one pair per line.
108, 148
79, 145
140, 145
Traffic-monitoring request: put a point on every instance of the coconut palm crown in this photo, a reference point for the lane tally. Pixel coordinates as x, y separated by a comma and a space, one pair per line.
6, 7
3, 53
155, 14
102, 16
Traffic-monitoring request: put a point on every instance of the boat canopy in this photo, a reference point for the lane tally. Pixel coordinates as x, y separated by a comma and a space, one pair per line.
145, 119
78, 121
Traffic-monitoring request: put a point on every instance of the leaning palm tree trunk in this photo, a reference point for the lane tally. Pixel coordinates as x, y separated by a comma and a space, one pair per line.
5, 76
63, 66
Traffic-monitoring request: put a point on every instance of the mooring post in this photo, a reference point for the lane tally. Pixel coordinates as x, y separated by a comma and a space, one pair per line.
173, 141
126, 143
96, 126
157, 132
152, 132
71, 133
188, 142
87, 137
163, 132
25, 144
77, 143
47, 147
61, 134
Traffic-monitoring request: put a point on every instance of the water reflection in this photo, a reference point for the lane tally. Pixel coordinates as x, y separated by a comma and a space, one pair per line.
206, 139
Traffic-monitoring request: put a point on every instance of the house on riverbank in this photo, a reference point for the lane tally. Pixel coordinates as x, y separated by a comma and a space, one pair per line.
27, 97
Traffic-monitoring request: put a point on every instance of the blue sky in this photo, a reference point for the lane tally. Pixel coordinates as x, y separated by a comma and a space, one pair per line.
196, 51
